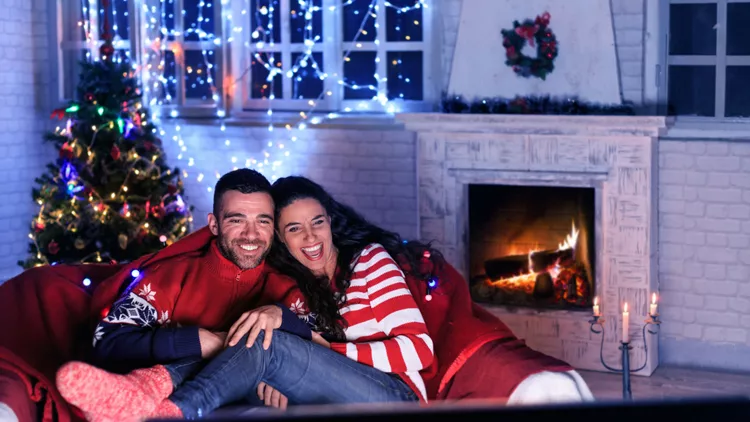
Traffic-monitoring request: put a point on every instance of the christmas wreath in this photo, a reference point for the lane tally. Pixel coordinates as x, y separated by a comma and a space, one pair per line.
534, 32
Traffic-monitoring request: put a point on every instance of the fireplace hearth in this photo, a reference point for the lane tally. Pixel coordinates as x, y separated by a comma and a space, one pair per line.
532, 245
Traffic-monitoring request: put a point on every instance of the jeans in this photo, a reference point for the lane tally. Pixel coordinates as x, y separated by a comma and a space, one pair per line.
306, 373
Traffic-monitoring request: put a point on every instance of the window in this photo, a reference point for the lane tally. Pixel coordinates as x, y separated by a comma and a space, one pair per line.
708, 58
201, 57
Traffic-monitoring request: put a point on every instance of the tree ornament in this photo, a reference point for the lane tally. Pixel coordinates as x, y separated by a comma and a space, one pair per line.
115, 152
79, 243
535, 33
38, 225
53, 248
122, 240
89, 97
67, 152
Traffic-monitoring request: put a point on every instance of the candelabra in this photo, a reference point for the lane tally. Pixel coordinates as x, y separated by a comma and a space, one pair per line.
625, 348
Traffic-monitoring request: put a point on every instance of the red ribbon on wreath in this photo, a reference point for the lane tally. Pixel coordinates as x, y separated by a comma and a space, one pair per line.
527, 32
543, 20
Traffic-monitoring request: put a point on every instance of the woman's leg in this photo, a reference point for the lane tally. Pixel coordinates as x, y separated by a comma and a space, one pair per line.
304, 372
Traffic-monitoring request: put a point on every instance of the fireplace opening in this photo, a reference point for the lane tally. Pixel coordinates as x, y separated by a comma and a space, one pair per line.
532, 246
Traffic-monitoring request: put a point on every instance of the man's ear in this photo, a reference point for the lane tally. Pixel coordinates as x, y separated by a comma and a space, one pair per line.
213, 224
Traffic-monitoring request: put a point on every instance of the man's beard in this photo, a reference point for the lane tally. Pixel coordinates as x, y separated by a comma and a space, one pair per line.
244, 263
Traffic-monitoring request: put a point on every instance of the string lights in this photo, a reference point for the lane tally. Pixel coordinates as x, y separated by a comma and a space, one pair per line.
173, 37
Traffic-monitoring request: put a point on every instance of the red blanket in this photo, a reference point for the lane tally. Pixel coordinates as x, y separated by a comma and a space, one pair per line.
47, 317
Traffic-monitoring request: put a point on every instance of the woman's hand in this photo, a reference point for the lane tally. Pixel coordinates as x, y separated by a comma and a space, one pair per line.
318, 339
271, 396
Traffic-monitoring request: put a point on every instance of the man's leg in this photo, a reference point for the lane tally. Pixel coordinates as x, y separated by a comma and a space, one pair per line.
304, 372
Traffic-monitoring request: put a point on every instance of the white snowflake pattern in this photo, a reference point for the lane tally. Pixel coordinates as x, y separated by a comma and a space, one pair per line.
147, 293
98, 334
298, 307
164, 320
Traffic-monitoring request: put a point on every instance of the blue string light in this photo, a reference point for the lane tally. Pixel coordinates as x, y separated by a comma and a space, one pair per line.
86, 282
135, 273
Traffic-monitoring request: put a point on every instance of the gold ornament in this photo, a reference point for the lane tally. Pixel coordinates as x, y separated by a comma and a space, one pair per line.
123, 241
79, 243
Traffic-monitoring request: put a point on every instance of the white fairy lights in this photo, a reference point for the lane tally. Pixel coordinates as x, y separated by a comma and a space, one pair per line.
166, 33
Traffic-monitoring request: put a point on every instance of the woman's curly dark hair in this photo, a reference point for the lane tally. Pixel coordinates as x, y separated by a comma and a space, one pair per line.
351, 233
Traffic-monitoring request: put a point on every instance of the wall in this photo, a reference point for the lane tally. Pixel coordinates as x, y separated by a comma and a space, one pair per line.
704, 250
372, 170
24, 111
628, 17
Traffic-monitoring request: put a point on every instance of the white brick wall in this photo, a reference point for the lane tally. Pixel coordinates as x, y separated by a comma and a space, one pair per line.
372, 170
704, 253
627, 15
24, 109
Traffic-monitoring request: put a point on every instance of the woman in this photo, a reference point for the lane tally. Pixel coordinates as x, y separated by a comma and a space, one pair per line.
373, 340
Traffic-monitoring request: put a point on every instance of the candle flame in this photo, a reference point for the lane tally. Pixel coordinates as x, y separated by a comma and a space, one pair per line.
625, 309
653, 298
596, 300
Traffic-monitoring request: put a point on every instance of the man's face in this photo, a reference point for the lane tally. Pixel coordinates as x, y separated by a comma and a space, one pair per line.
244, 227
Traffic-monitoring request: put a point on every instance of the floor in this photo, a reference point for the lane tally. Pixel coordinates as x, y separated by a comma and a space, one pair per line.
669, 382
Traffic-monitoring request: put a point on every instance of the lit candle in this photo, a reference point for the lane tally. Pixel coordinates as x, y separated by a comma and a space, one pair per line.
625, 324
653, 304
596, 306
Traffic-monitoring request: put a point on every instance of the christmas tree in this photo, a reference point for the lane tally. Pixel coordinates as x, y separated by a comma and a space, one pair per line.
110, 196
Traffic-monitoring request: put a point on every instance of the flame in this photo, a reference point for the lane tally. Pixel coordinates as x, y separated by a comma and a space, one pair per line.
596, 300
625, 309
653, 298
571, 240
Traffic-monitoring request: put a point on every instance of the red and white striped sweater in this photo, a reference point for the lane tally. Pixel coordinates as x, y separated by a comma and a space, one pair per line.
385, 328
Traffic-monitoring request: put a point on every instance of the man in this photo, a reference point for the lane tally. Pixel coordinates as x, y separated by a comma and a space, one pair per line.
180, 311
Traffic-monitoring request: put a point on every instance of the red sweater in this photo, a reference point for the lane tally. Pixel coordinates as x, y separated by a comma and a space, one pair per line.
385, 329
198, 289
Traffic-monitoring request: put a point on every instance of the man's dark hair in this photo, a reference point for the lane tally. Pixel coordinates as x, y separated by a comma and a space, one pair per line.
241, 180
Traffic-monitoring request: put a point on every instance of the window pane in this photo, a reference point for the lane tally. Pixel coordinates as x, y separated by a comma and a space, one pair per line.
198, 19
122, 56
405, 75
265, 21
167, 18
71, 72
307, 82
199, 74
117, 16
261, 87
359, 74
403, 25
358, 20
692, 90
738, 29
738, 91
691, 29
305, 22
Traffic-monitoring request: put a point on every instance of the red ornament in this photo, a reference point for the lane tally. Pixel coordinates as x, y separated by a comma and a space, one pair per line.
59, 113
38, 226
149, 146
115, 152
89, 97
66, 151
543, 19
53, 248
172, 189
527, 32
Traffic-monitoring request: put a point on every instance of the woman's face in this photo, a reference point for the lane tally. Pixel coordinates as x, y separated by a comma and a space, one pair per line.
305, 229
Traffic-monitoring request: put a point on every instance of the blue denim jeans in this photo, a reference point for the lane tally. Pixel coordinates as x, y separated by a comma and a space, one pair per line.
303, 371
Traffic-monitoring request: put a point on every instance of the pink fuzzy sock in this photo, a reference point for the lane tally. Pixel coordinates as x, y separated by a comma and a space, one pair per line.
167, 409
104, 396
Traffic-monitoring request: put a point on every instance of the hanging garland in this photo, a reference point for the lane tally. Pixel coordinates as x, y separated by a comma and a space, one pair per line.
534, 32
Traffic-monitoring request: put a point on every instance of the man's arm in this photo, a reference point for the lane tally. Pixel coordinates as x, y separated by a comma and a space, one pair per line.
133, 333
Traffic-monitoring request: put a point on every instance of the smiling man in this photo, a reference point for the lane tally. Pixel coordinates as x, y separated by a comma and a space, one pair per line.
176, 313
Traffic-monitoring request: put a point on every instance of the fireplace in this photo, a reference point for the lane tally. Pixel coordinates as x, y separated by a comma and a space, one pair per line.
532, 245
536, 167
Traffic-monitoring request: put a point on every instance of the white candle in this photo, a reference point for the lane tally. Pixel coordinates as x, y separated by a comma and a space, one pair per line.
596, 307
625, 324
653, 304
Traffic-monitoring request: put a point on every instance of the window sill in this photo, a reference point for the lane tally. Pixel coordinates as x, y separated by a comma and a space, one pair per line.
698, 129
280, 121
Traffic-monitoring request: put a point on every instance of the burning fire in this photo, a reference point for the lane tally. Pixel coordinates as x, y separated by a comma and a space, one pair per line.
526, 282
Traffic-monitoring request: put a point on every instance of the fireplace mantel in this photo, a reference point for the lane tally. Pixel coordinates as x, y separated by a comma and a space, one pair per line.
615, 155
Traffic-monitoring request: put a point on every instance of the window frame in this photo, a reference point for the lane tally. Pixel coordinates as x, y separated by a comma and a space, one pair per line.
234, 59
659, 47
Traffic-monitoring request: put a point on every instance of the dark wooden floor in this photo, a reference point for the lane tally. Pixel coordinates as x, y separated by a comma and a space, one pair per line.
668, 382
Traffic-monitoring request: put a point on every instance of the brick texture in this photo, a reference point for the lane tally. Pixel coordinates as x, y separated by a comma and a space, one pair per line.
704, 264
24, 111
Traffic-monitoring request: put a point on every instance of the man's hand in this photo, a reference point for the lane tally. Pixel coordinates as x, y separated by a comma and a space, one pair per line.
211, 343
271, 396
318, 339
264, 318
